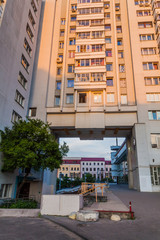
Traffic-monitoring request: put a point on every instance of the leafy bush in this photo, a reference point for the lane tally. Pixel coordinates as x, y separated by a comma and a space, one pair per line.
28, 204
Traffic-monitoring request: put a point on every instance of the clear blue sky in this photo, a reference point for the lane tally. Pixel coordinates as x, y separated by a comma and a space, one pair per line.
90, 148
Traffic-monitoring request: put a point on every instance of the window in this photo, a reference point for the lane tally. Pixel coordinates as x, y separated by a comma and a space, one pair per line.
69, 98
109, 67
96, 77
29, 32
61, 45
83, 23
72, 29
109, 53
97, 62
57, 100
82, 63
108, 40
25, 63
96, 10
5, 190
147, 37
84, 35
74, 7
152, 81
72, 41
155, 141
148, 51
154, 115
27, 47
123, 99
153, 97
110, 97
97, 97
150, 66
155, 175
71, 54
83, 48
31, 18
145, 25
32, 112
86, 169
19, 98
22, 80
71, 68
121, 68
63, 21
62, 33
107, 15
73, 18
109, 81
70, 83
34, 6
107, 27
118, 17
94, 169
58, 85
119, 42
59, 71
97, 48
97, 34
119, 29
82, 97
117, 6
15, 117
120, 54
83, 77
90, 169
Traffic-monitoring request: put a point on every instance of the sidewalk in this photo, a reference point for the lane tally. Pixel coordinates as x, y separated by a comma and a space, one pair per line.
144, 227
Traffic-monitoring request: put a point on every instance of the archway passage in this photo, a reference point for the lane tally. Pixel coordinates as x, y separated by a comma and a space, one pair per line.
116, 162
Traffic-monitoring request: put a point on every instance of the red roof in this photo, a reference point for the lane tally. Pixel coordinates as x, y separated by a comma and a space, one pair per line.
71, 161
93, 159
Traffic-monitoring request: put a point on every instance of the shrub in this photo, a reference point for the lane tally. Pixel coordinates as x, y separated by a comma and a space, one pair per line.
27, 204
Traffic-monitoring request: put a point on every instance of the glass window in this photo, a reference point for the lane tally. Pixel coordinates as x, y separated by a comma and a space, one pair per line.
69, 98
70, 83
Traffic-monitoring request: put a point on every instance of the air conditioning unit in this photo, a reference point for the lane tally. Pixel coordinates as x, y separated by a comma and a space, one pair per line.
106, 6
73, 10
141, 4
59, 60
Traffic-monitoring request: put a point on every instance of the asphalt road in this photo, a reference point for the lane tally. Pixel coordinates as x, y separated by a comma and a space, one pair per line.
146, 226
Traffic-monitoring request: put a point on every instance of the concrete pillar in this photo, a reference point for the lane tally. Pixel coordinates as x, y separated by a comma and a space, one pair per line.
130, 167
142, 155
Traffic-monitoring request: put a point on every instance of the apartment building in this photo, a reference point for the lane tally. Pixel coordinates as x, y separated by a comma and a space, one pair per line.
79, 167
19, 24
98, 74
70, 168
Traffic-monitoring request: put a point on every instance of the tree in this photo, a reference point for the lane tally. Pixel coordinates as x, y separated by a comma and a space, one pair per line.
29, 144
89, 178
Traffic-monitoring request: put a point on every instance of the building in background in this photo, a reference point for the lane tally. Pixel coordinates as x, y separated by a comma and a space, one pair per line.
79, 167
70, 168
119, 163
19, 25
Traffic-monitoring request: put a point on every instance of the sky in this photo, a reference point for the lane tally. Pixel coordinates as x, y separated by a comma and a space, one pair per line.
90, 148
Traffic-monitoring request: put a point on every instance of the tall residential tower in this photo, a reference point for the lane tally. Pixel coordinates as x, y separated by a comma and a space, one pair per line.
97, 75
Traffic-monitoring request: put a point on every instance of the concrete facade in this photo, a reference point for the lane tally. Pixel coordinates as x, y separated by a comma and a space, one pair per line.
19, 23
98, 76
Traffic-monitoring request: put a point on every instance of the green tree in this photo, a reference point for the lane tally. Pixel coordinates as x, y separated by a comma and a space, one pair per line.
29, 144
89, 178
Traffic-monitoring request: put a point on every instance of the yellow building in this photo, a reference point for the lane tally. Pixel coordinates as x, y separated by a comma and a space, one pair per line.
70, 168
